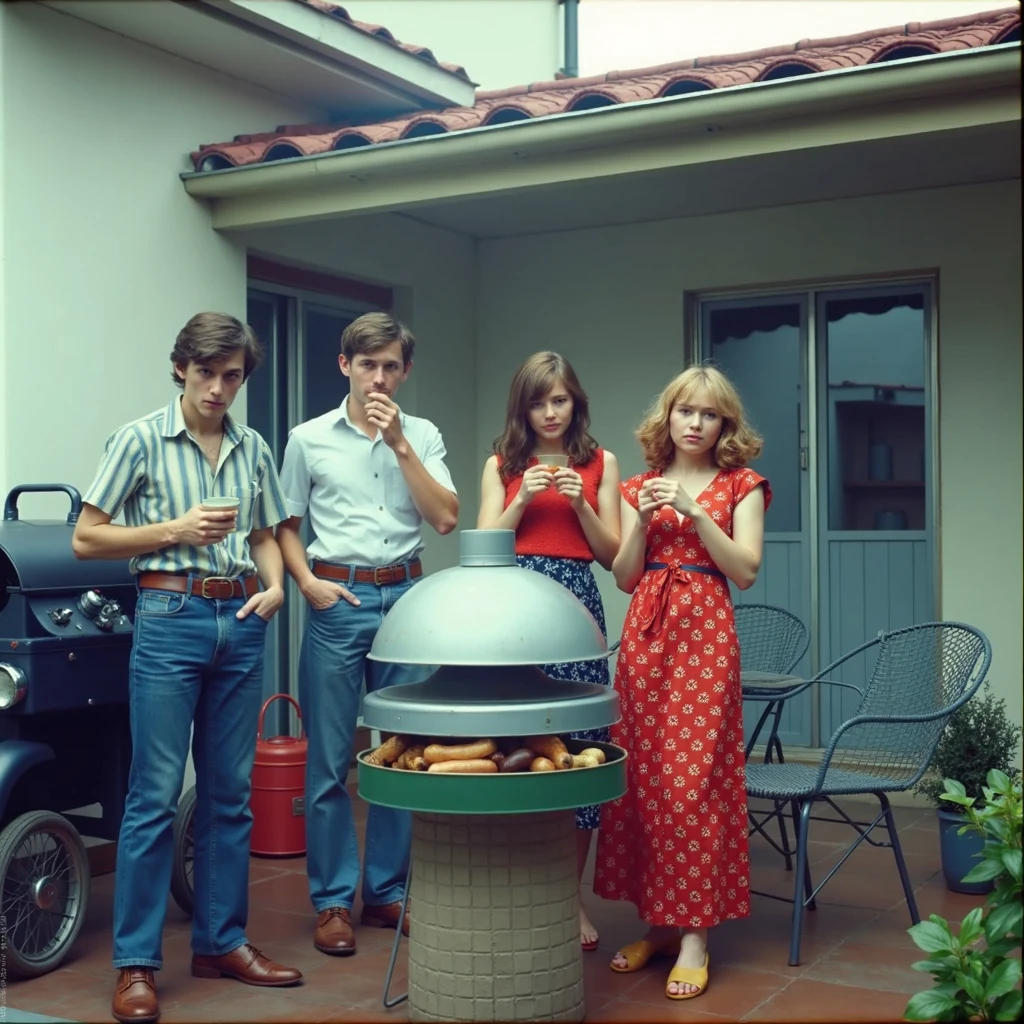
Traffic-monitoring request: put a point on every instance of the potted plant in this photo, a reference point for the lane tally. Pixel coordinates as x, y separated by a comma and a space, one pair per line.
975, 981
979, 737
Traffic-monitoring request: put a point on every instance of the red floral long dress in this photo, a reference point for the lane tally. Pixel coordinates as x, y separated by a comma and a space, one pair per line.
676, 844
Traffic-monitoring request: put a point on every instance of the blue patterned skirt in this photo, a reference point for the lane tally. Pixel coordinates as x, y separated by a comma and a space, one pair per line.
577, 577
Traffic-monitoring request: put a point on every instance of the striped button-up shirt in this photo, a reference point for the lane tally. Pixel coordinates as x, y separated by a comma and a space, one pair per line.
155, 471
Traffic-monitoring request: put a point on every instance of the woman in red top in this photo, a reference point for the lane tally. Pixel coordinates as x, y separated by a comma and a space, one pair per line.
564, 518
676, 844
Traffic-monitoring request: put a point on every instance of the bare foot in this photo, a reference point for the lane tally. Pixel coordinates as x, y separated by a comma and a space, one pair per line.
692, 951
588, 933
658, 934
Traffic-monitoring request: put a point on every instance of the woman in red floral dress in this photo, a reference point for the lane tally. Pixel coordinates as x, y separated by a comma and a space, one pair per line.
676, 844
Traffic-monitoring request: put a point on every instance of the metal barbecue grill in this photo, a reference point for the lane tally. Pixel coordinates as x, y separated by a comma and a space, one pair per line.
65, 743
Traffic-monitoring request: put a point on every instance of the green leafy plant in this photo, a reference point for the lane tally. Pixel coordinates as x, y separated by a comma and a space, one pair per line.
976, 977
979, 737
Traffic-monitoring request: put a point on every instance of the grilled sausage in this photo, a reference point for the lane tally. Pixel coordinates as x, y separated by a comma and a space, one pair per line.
477, 766
477, 750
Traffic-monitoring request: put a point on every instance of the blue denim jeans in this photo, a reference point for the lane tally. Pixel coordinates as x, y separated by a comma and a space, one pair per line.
331, 670
192, 661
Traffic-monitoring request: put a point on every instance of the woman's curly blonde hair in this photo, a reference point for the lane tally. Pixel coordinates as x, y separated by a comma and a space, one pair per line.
738, 444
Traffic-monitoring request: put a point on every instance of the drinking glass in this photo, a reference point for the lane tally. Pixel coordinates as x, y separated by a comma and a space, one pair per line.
553, 462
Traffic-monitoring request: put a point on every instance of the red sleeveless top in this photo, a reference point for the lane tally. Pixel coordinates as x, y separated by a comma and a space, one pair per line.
549, 525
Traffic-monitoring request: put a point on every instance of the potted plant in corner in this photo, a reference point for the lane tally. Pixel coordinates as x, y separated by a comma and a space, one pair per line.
978, 738
976, 967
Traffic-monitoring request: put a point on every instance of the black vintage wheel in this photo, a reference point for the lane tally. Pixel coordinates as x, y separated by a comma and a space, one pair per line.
184, 851
44, 870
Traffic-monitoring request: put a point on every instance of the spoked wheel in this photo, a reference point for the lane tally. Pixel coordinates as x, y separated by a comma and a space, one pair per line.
182, 888
44, 870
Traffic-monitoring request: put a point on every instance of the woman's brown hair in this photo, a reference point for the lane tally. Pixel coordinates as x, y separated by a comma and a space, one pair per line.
737, 444
532, 381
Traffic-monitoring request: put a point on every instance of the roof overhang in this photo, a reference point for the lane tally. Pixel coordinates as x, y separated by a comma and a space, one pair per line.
289, 49
920, 96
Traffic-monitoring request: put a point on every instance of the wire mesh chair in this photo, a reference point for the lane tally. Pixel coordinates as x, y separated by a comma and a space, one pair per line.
922, 674
771, 640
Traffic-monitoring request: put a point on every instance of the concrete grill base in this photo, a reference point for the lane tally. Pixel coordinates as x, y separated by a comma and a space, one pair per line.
494, 929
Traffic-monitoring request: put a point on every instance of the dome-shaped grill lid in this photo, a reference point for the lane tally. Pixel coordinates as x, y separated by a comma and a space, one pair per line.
488, 611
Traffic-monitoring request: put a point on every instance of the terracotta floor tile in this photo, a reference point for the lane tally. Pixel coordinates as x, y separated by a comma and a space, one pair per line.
855, 954
867, 965
806, 1000
732, 991
628, 1011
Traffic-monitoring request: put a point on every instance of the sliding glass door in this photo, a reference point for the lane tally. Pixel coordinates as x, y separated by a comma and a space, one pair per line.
839, 383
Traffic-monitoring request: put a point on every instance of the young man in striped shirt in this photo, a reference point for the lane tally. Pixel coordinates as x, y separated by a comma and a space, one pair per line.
197, 655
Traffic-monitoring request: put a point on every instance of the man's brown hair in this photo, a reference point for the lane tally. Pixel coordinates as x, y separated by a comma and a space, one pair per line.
210, 337
373, 331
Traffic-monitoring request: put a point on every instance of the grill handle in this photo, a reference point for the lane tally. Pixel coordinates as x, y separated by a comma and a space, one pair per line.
11, 502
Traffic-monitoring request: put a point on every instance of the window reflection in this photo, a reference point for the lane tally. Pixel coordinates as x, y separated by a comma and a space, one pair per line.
876, 459
758, 348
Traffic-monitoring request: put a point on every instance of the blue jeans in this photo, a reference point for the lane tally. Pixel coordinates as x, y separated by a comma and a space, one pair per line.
331, 669
191, 661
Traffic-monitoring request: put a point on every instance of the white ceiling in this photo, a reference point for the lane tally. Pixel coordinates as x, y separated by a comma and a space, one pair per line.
962, 156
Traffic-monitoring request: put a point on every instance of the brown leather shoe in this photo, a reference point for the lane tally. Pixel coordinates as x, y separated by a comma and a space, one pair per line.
135, 999
334, 934
246, 964
385, 915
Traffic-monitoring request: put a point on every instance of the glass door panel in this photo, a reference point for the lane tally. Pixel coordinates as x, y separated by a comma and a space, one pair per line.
876, 568
760, 345
268, 316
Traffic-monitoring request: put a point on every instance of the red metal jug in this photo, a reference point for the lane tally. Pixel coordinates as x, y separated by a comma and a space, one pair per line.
278, 790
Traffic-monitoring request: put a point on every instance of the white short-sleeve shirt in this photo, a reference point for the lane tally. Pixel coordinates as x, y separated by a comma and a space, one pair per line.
359, 504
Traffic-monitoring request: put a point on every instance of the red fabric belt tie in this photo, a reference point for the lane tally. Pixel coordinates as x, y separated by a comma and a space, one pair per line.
656, 604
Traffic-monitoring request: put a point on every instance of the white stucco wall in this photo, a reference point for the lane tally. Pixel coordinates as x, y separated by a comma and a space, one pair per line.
499, 42
104, 255
433, 274
611, 300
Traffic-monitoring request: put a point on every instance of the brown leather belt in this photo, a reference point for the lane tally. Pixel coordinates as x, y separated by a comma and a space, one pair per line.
382, 576
219, 588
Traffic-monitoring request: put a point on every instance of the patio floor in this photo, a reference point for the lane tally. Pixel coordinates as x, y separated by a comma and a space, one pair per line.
856, 952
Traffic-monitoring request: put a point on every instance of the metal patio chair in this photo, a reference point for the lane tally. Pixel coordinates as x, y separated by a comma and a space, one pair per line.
922, 674
771, 640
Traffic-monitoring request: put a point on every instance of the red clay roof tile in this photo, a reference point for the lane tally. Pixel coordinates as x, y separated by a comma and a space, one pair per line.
542, 99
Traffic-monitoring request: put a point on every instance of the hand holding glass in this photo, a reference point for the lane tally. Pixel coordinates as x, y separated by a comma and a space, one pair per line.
223, 504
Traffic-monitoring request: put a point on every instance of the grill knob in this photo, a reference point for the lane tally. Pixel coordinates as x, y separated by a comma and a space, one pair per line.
61, 616
107, 616
91, 603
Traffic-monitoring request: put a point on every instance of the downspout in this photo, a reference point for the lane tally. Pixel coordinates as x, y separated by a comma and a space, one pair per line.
571, 38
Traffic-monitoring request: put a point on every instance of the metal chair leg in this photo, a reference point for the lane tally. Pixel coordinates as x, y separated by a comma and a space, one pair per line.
787, 853
801, 877
901, 864
757, 732
798, 810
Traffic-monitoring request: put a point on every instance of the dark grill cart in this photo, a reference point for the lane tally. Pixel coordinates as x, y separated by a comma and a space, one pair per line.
65, 742
494, 925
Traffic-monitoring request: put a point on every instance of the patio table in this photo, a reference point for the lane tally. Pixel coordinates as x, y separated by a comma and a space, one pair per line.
773, 688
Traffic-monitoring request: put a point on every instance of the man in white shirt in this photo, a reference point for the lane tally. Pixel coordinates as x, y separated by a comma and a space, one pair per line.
369, 475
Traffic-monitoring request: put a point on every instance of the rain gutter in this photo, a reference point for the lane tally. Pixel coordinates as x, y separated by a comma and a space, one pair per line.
898, 98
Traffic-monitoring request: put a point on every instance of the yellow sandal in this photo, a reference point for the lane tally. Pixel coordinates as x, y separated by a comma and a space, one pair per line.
639, 954
697, 976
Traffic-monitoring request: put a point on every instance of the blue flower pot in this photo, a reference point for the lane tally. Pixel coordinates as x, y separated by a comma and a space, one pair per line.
960, 854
